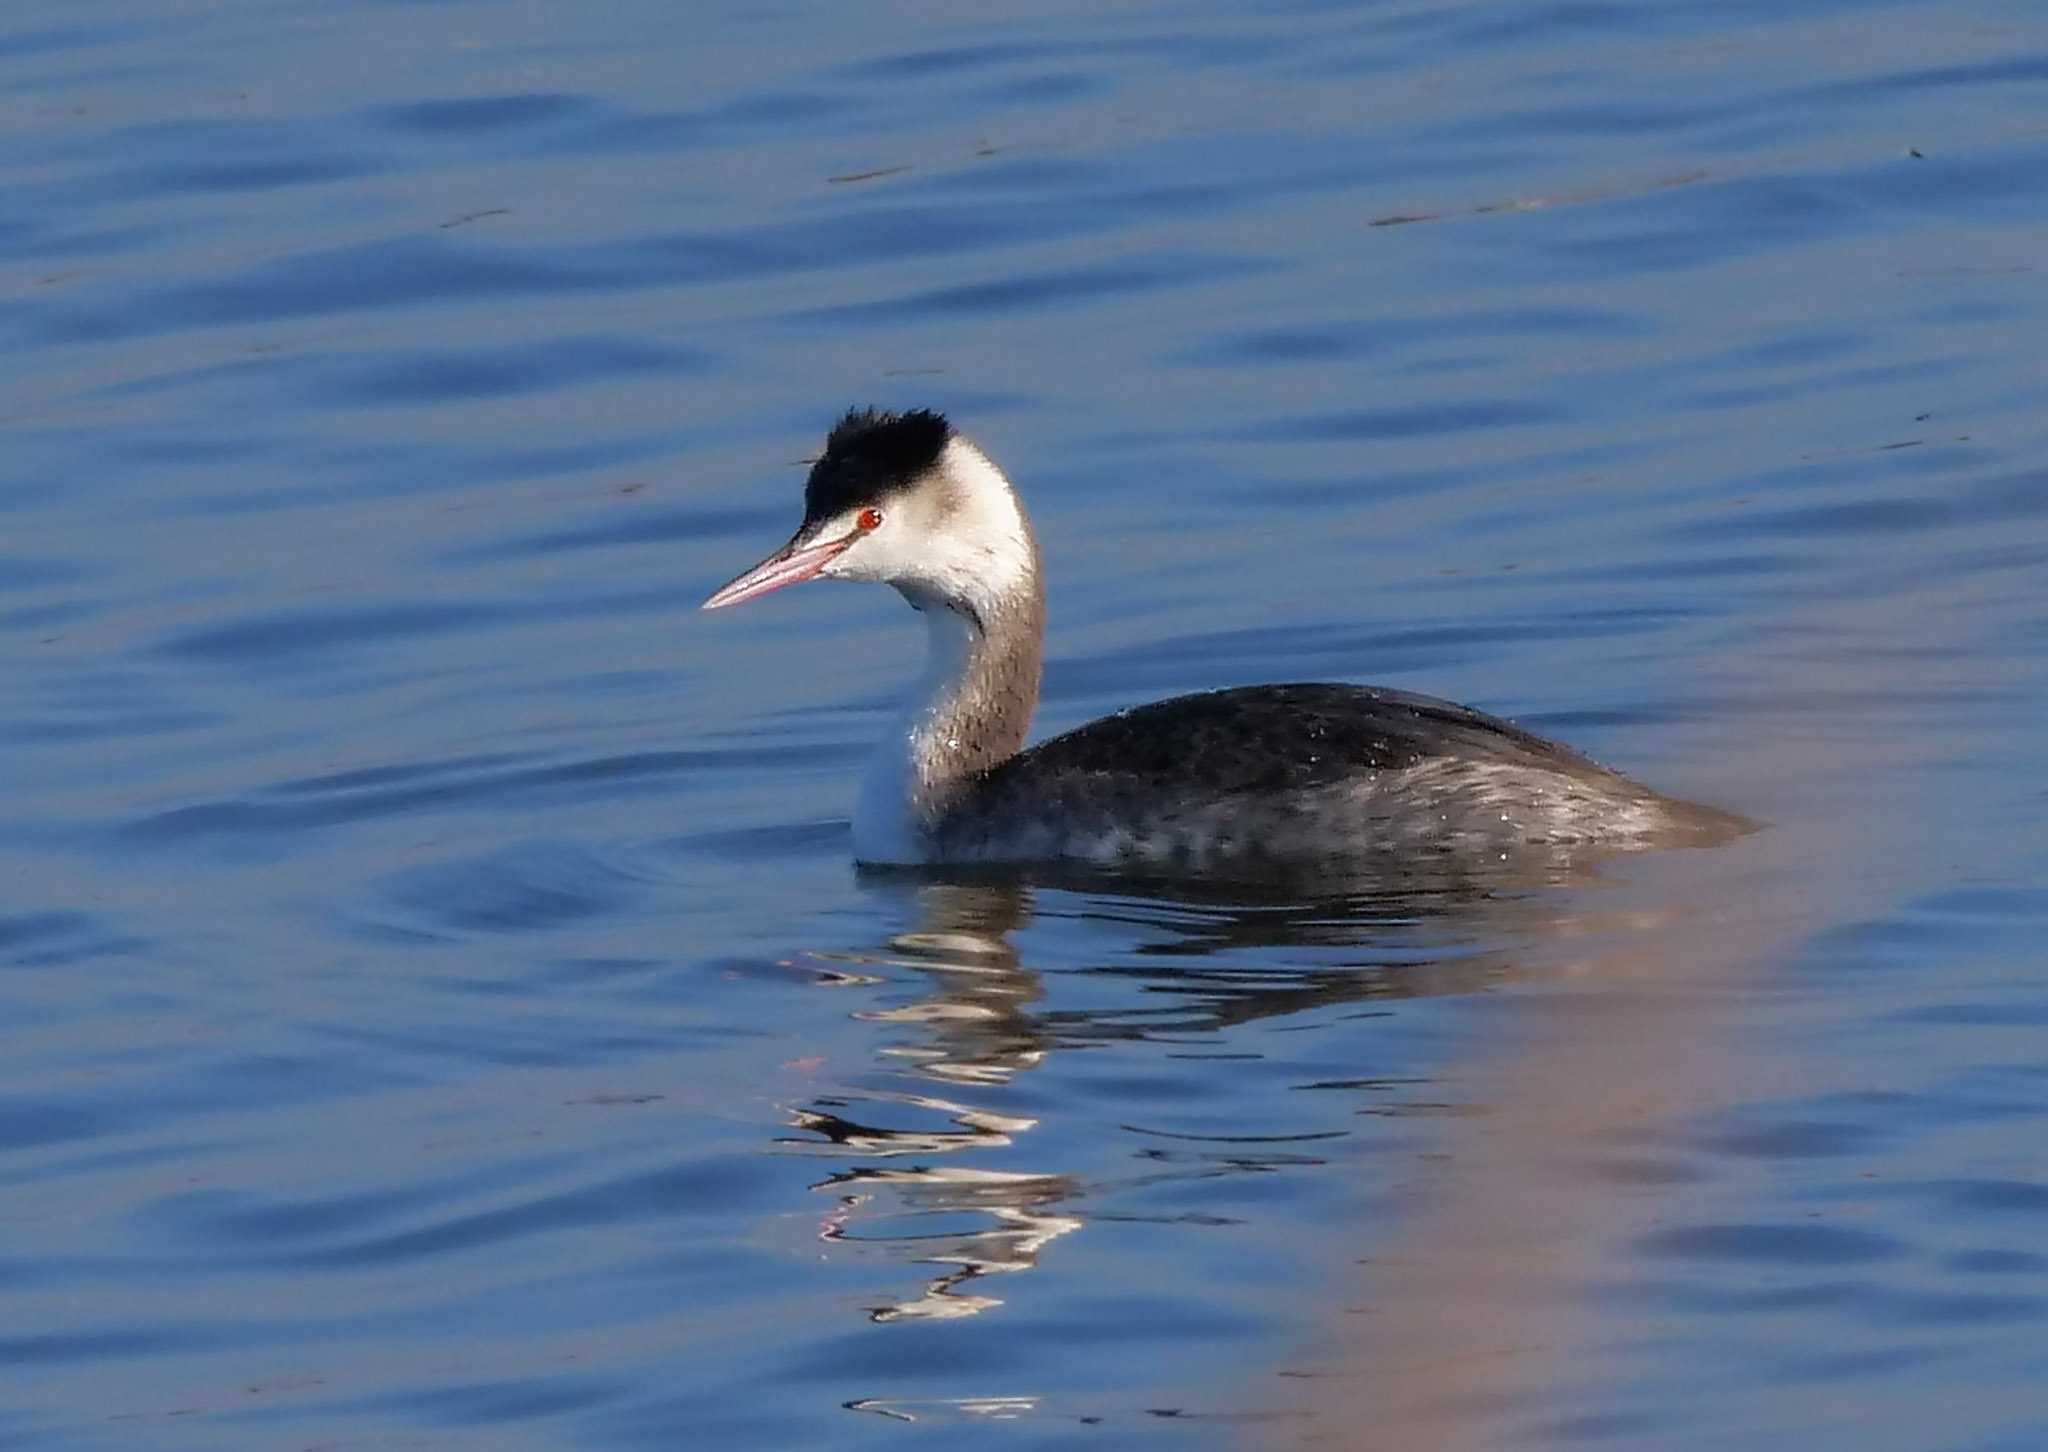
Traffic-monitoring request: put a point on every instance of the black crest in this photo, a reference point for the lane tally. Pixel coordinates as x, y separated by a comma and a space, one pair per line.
871, 454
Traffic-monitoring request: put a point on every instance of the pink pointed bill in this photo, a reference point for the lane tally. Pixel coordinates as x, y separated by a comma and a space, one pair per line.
787, 566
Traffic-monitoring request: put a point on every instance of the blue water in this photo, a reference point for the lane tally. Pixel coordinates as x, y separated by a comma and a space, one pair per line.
436, 1004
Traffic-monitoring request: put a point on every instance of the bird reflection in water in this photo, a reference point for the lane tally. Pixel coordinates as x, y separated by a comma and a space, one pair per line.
983, 1019
975, 1028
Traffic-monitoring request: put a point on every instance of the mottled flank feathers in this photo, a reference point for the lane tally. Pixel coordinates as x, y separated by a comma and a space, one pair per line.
1301, 773
871, 454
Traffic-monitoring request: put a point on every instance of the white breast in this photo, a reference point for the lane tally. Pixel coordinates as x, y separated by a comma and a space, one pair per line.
888, 820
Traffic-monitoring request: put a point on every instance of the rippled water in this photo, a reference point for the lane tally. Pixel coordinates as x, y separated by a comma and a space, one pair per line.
438, 1006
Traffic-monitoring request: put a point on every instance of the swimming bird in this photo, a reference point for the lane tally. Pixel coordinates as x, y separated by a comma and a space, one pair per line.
1270, 775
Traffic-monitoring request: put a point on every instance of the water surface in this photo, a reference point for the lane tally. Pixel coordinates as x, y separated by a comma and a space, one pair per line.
439, 1006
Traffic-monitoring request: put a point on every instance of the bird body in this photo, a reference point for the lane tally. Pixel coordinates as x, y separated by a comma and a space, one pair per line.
1274, 775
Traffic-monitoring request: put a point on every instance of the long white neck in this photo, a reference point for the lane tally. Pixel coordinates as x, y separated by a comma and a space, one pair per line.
971, 710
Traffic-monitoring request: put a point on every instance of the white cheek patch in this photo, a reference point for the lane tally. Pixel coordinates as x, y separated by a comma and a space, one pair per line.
884, 554
958, 534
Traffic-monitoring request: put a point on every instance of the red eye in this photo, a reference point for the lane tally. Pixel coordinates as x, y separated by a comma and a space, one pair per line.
870, 518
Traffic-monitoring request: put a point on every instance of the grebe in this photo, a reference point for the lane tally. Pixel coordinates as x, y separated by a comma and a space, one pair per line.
1276, 775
